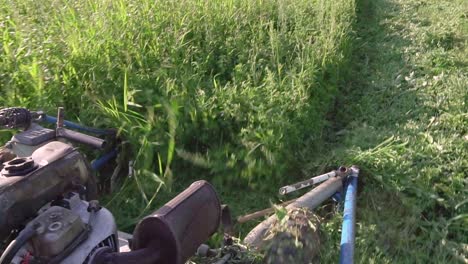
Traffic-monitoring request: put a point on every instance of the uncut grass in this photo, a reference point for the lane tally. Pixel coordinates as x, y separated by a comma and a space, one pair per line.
229, 91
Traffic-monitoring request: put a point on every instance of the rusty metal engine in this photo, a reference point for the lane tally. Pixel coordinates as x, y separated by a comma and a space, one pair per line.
27, 183
49, 210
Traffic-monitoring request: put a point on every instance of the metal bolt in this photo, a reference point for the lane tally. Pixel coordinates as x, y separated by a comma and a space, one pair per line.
60, 117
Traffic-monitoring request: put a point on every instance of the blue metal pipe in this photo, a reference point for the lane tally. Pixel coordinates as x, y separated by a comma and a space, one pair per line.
349, 219
102, 132
337, 197
101, 161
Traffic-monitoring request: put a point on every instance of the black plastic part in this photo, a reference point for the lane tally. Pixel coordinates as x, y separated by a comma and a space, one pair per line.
34, 136
142, 256
18, 166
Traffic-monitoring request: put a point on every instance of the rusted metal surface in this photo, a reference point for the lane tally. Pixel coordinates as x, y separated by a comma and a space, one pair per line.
18, 166
58, 227
312, 181
310, 201
226, 221
296, 240
59, 168
81, 138
5, 155
60, 117
255, 215
181, 225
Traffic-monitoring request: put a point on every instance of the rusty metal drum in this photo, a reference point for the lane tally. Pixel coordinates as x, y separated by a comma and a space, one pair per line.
181, 225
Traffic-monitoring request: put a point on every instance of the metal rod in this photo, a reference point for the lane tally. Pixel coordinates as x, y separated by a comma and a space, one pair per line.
81, 138
349, 219
303, 184
101, 161
53, 120
60, 117
255, 215
314, 180
309, 200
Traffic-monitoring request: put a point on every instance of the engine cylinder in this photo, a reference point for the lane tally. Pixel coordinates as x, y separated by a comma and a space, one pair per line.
26, 184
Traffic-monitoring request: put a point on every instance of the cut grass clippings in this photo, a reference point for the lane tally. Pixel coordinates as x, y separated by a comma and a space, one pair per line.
405, 123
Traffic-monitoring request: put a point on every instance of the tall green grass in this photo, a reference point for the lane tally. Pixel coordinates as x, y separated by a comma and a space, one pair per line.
235, 90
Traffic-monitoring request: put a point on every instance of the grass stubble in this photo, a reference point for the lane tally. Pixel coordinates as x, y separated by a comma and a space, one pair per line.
405, 113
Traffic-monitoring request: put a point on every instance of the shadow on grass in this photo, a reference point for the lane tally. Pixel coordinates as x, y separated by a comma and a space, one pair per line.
382, 113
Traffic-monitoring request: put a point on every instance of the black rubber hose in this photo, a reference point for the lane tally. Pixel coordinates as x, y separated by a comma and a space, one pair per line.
15, 245
149, 255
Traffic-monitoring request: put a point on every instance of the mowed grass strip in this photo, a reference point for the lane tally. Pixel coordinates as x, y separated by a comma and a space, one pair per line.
406, 125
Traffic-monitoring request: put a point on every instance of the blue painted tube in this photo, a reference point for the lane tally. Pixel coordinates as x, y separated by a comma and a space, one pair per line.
337, 197
349, 219
101, 161
53, 120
